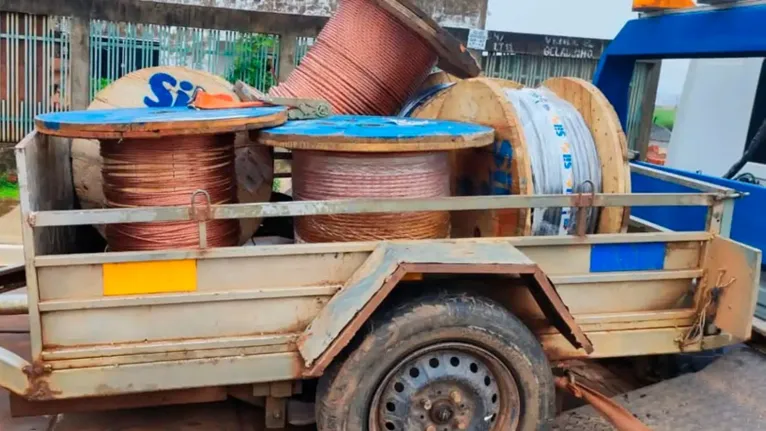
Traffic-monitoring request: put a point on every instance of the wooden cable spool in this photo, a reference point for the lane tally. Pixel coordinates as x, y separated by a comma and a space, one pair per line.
168, 86
504, 167
165, 157
348, 157
372, 55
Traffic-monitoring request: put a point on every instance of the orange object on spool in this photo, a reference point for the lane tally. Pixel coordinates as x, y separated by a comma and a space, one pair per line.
322, 175
139, 172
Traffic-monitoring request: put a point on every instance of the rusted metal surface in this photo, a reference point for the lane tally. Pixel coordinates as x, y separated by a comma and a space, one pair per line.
617, 415
732, 271
344, 315
557, 313
309, 208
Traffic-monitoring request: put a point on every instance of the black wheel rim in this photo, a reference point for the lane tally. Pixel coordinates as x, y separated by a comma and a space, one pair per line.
447, 387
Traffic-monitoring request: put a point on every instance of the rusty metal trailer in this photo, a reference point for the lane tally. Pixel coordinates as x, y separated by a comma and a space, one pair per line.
401, 335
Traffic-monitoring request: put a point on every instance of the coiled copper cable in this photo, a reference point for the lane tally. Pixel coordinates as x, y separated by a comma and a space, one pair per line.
364, 61
321, 175
166, 172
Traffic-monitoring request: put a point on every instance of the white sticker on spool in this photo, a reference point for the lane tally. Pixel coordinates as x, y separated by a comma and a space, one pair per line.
561, 137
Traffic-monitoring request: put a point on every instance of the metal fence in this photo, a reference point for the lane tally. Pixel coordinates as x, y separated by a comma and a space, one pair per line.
34, 51
532, 70
120, 48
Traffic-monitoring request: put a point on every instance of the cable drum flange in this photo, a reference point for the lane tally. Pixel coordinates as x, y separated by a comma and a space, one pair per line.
506, 167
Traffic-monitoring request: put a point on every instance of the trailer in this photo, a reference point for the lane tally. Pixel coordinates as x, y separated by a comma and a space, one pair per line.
398, 333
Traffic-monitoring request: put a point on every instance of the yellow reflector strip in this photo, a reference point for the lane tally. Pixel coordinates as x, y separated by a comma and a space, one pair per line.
140, 278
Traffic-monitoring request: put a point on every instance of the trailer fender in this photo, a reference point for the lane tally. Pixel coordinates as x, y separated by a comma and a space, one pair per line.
334, 327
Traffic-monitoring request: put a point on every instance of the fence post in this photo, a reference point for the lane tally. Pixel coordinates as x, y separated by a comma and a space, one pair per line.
79, 63
288, 42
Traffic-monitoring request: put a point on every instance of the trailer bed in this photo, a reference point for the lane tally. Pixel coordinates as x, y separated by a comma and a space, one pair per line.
728, 394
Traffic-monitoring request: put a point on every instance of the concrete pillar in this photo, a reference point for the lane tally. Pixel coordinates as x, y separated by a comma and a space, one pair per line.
287, 45
79, 63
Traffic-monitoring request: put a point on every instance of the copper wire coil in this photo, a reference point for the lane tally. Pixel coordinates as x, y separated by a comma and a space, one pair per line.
167, 172
321, 175
364, 61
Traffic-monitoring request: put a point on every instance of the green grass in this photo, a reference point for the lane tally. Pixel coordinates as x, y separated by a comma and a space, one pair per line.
8, 190
665, 117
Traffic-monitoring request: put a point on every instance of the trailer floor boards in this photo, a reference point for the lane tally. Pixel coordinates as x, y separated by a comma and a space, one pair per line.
728, 394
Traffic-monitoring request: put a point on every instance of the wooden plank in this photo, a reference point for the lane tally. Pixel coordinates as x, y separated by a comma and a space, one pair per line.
198, 320
682, 255
629, 321
560, 260
610, 141
736, 269
290, 251
157, 122
132, 357
609, 344
359, 206
235, 274
145, 348
627, 276
169, 375
359, 134
159, 299
624, 296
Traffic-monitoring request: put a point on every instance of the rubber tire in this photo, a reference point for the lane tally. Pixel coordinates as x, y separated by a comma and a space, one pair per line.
346, 389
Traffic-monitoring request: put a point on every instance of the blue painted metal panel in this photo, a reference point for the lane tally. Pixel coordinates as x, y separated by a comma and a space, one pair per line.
748, 225
383, 128
712, 33
54, 120
627, 257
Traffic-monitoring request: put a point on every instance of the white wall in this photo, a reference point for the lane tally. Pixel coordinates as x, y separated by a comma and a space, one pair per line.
599, 19
713, 117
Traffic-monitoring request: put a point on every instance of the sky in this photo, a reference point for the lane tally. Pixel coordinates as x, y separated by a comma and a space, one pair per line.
600, 19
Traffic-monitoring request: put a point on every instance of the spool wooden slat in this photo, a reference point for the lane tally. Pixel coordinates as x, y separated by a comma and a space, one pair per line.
611, 143
504, 167
167, 86
365, 134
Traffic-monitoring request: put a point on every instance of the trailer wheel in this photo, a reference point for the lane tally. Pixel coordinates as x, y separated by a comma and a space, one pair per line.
440, 363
